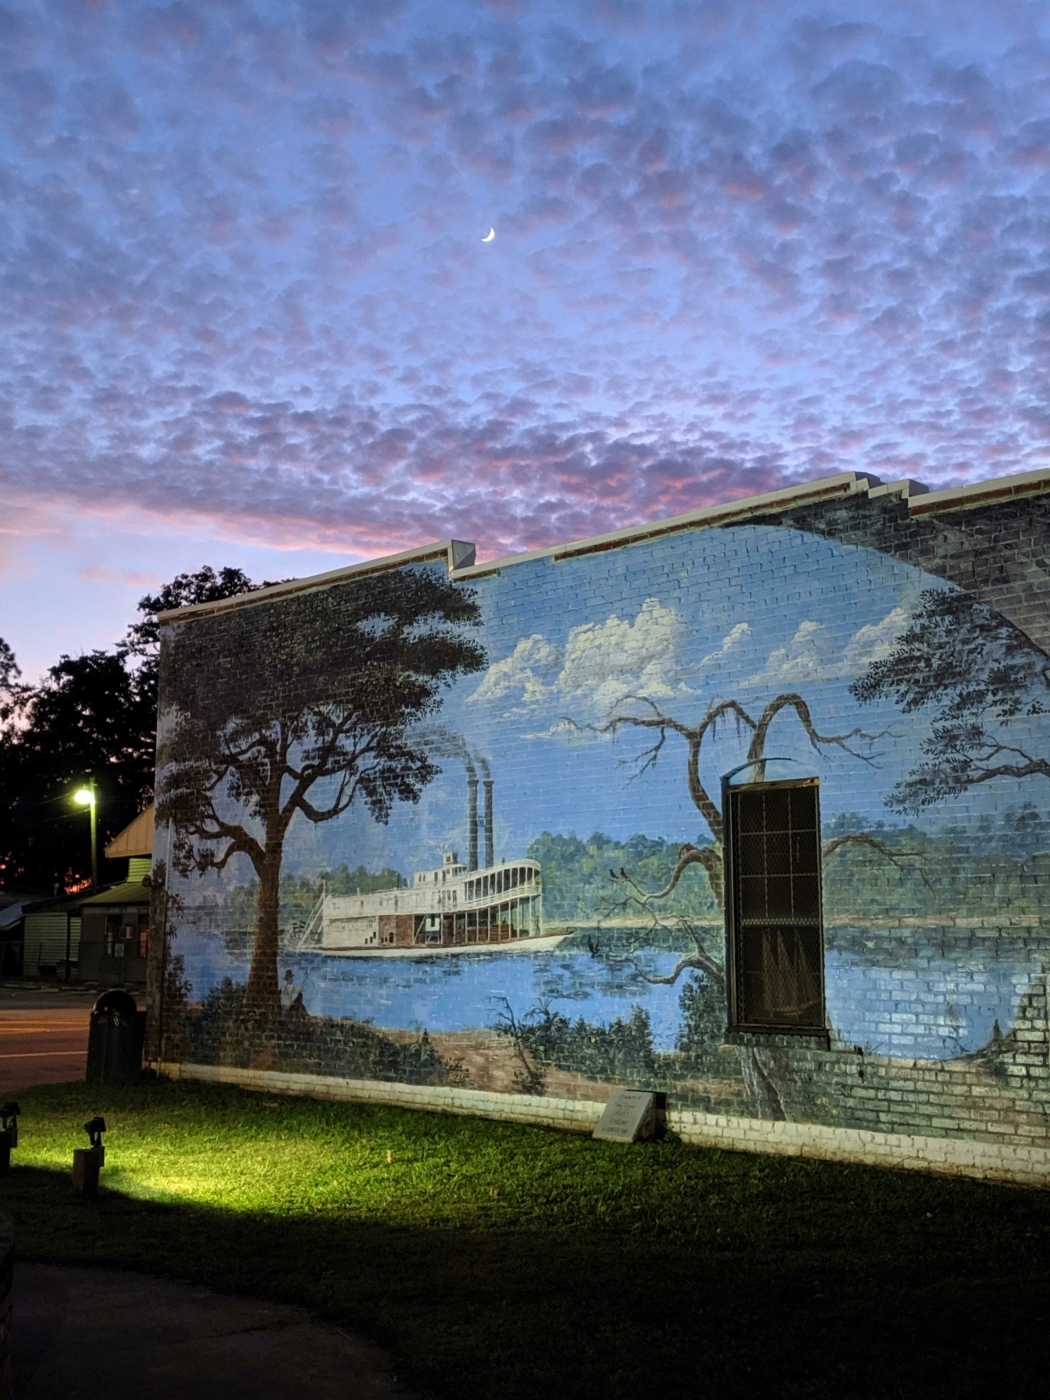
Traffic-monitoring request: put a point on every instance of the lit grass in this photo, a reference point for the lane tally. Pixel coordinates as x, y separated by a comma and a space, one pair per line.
514, 1262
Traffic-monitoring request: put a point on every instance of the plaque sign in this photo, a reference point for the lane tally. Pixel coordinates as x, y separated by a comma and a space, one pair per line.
629, 1116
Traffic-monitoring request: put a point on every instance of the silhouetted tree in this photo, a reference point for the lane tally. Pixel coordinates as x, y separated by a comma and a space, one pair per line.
93, 714
87, 716
207, 585
10, 688
314, 714
979, 675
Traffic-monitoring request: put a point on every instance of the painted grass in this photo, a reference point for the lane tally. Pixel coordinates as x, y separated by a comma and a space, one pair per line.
499, 1261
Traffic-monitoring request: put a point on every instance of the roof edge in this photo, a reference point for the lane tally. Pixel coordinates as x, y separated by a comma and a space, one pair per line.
455, 554
842, 484
979, 492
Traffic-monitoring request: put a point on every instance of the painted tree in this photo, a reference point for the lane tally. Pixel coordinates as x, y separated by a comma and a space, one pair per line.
648, 907
309, 710
981, 678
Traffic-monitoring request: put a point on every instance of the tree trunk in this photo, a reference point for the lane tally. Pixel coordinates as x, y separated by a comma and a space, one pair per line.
760, 1076
263, 991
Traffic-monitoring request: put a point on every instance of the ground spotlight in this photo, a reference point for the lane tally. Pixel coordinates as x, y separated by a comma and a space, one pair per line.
8, 1134
88, 1161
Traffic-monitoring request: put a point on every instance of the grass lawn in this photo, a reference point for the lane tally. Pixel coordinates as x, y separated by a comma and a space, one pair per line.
500, 1261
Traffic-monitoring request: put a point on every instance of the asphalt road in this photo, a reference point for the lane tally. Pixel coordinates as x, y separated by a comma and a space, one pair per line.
43, 1037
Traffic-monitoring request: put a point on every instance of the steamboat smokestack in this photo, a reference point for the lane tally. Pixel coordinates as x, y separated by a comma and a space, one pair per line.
489, 859
472, 821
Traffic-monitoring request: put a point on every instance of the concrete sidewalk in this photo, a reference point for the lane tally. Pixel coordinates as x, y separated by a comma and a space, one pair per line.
92, 1334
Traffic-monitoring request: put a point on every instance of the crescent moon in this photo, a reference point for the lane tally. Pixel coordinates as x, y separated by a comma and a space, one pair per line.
489, 236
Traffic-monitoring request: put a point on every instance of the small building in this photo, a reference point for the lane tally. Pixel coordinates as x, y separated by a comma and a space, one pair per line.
51, 936
12, 929
114, 932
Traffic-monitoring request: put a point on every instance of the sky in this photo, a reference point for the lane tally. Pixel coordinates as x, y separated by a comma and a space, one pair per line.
248, 318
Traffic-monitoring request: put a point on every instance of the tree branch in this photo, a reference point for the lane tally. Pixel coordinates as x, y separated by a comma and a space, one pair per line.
699, 959
796, 702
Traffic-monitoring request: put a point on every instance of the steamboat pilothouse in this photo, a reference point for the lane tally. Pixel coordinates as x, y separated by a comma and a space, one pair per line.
457, 908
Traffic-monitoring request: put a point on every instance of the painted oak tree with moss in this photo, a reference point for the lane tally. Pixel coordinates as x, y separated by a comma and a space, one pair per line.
308, 711
647, 906
982, 679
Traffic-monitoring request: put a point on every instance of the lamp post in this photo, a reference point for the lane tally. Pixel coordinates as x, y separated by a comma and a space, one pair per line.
85, 797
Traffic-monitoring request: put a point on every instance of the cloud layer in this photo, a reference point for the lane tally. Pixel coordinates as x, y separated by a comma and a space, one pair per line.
736, 246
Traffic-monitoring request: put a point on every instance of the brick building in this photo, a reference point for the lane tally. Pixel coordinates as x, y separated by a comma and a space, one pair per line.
747, 806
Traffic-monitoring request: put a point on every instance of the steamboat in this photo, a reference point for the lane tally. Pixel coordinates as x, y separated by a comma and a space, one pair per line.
457, 908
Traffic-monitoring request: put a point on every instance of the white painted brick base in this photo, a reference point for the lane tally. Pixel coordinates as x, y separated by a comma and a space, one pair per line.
1021, 1165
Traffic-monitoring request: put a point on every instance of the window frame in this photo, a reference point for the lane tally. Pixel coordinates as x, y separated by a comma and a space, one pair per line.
737, 1025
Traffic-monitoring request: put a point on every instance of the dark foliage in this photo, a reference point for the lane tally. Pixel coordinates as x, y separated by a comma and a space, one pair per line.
87, 717
981, 678
704, 1017
93, 715
10, 675
207, 585
219, 1032
621, 1052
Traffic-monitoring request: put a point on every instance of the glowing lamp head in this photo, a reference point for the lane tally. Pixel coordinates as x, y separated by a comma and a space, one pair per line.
84, 797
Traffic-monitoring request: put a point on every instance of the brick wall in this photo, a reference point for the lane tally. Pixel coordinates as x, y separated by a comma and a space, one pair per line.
936, 933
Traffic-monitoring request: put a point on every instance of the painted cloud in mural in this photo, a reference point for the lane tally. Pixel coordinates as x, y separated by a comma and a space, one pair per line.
808, 656
731, 643
600, 663
812, 654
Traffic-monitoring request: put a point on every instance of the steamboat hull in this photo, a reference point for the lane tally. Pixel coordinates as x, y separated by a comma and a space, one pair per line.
544, 943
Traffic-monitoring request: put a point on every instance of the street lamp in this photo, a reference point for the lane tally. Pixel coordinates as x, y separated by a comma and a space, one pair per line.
85, 797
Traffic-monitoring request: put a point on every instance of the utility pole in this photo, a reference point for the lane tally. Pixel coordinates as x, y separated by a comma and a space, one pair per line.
94, 837
86, 797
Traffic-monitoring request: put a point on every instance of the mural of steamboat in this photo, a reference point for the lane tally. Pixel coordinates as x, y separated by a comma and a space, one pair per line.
449, 910
455, 909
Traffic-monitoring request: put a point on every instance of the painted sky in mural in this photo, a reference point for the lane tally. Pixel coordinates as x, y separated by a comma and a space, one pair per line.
248, 310
683, 642
684, 636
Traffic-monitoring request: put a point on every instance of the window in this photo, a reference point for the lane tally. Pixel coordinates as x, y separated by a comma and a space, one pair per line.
776, 945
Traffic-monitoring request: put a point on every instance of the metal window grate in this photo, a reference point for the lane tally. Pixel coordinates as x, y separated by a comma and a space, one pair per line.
776, 941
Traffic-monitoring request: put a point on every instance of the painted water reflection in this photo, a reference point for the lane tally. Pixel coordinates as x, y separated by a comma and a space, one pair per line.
908, 995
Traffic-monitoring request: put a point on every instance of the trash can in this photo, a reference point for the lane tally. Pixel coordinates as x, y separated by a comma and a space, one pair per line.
115, 1039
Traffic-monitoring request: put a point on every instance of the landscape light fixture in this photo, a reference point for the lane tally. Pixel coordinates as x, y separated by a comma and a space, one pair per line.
88, 1161
94, 1128
8, 1134
85, 797
9, 1120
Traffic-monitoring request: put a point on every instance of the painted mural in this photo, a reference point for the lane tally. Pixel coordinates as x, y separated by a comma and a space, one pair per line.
471, 832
